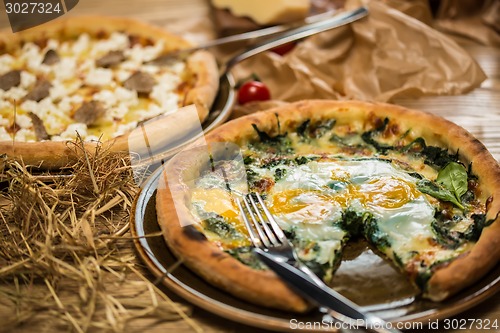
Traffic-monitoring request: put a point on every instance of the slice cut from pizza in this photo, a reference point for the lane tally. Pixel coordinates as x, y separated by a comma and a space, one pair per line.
426, 198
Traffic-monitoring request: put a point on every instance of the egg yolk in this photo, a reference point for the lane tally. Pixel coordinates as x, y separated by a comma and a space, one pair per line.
217, 201
388, 192
308, 205
221, 202
313, 205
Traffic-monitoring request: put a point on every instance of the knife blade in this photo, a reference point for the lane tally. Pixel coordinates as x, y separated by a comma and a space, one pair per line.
323, 295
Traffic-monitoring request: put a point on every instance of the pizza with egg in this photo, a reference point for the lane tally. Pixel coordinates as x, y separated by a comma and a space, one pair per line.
421, 190
95, 77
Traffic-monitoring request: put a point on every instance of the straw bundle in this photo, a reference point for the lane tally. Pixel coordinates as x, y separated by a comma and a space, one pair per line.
66, 260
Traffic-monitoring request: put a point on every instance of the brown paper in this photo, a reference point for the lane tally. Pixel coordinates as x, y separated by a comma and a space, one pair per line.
386, 55
418, 9
478, 20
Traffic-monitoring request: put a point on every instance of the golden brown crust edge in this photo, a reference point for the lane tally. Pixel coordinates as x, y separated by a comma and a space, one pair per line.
207, 259
92, 24
207, 82
461, 272
47, 155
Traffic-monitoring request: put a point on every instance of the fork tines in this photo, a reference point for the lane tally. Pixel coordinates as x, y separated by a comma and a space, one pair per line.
261, 218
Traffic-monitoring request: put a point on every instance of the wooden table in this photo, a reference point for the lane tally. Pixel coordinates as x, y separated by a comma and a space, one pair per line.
478, 111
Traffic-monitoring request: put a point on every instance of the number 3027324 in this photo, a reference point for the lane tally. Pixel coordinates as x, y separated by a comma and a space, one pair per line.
32, 8
468, 324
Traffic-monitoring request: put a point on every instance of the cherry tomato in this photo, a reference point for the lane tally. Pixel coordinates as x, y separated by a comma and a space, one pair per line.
253, 91
283, 49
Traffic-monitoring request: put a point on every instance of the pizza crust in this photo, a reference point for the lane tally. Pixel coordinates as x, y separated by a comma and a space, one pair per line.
47, 155
201, 64
73, 26
207, 82
446, 280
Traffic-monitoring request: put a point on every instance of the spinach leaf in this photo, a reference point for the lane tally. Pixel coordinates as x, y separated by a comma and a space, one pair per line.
279, 173
246, 256
346, 141
337, 139
307, 129
248, 160
474, 231
416, 145
433, 155
443, 228
299, 160
220, 227
397, 260
470, 174
317, 268
368, 138
301, 130
438, 156
352, 222
264, 137
438, 191
373, 233
454, 177
323, 127
415, 175
252, 176
279, 143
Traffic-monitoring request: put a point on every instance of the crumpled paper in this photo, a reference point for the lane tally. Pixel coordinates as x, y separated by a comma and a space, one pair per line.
393, 53
384, 56
418, 9
478, 20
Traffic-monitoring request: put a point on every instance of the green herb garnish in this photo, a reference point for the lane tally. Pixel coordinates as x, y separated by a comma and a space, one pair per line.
451, 184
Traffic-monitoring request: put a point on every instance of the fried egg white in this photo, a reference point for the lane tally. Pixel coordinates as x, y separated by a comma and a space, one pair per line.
310, 199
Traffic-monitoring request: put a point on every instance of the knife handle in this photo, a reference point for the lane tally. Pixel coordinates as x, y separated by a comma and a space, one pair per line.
342, 308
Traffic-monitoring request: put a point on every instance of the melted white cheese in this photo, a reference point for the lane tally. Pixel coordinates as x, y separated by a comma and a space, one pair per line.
76, 75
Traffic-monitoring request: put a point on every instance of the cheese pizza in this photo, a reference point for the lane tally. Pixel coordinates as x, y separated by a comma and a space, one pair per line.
422, 191
96, 77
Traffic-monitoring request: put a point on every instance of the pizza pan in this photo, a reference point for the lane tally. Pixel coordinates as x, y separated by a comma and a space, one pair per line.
362, 276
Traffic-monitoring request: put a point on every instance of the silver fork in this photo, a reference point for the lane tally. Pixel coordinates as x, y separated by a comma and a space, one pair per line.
266, 235
273, 241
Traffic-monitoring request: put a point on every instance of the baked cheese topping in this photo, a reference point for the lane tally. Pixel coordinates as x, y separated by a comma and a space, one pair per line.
356, 187
98, 87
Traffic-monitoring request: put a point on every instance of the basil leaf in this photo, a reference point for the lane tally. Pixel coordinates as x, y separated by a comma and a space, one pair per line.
454, 177
438, 191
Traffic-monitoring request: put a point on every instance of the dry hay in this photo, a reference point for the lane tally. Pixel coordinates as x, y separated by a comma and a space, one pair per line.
66, 258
